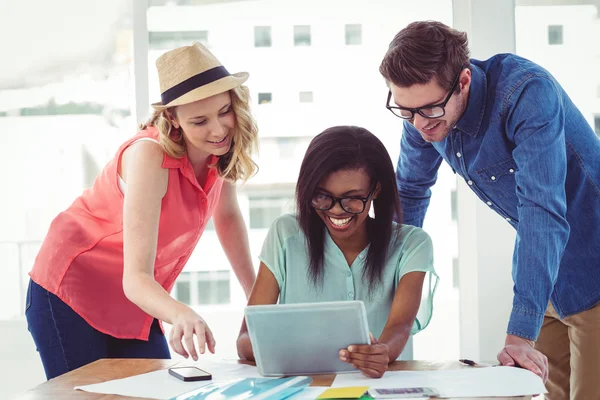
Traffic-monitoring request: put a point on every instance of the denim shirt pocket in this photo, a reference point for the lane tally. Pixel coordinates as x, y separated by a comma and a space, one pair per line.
499, 178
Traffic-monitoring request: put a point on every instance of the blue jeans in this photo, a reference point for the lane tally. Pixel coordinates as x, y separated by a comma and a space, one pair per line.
66, 341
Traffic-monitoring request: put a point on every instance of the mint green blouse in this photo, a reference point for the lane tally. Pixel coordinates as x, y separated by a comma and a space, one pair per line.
285, 253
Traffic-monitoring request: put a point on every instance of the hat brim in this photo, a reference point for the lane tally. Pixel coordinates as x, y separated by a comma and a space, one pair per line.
219, 86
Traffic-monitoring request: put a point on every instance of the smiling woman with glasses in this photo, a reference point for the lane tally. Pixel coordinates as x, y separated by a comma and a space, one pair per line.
351, 204
333, 249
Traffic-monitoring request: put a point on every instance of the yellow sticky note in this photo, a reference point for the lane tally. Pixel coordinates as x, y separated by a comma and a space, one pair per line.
351, 392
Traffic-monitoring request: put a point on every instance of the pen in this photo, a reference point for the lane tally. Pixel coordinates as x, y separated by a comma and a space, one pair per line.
475, 364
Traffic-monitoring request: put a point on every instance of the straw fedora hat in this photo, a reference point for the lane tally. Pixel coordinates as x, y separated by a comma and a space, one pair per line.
192, 73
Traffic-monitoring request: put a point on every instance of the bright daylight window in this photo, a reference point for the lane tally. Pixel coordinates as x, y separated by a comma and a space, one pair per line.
66, 101
265, 98
555, 34
262, 36
302, 35
353, 34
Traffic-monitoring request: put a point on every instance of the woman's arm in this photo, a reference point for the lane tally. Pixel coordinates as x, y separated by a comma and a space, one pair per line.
403, 313
233, 236
373, 359
265, 291
141, 168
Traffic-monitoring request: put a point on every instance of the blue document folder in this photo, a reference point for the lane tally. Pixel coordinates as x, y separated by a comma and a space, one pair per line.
254, 388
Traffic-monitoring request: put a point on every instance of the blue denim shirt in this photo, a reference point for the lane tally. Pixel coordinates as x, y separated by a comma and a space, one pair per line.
524, 149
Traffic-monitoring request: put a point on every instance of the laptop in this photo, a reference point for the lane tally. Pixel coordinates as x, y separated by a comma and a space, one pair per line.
305, 338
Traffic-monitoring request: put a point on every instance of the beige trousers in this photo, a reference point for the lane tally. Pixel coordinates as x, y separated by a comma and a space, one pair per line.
572, 346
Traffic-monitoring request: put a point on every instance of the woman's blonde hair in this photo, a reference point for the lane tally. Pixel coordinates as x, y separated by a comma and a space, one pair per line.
237, 164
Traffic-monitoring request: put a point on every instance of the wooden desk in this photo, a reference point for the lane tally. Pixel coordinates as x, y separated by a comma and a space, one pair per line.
61, 388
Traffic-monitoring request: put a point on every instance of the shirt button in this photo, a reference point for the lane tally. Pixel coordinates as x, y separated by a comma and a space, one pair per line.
204, 200
470, 182
351, 295
362, 256
511, 170
489, 203
458, 155
508, 219
349, 274
493, 178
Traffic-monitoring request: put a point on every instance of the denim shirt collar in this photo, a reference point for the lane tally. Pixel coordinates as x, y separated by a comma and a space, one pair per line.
471, 119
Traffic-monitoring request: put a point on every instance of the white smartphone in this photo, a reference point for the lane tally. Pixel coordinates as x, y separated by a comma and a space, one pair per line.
402, 393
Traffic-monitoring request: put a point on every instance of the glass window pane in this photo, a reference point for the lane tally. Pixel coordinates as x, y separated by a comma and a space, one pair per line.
302, 35
597, 124
63, 114
306, 97
262, 218
222, 292
262, 36
555, 34
264, 210
287, 147
353, 34
213, 287
265, 98
183, 291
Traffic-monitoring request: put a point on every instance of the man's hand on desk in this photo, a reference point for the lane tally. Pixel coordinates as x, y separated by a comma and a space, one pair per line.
371, 359
520, 352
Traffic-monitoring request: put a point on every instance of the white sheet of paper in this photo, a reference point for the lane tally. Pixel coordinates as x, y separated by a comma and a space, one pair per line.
465, 382
161, 385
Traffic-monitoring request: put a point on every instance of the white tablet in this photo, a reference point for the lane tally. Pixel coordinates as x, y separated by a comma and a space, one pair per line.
305, 338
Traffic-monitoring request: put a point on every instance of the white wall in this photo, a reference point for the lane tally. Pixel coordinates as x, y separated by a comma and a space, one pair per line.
575, 63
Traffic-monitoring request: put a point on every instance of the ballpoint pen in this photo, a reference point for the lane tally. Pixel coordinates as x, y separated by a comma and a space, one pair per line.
475, 364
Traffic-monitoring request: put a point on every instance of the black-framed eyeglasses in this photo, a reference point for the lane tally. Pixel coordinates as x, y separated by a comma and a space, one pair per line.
431, 111
350, 204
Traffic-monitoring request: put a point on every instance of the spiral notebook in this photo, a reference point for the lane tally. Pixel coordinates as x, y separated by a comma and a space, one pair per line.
255, 388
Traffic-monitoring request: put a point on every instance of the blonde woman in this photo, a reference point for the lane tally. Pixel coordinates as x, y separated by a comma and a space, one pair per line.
100, 284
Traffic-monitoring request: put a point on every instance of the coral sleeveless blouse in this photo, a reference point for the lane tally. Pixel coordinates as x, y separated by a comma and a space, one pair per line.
81, 258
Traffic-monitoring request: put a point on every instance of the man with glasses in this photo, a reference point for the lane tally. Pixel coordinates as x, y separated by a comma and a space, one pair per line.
508, 128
